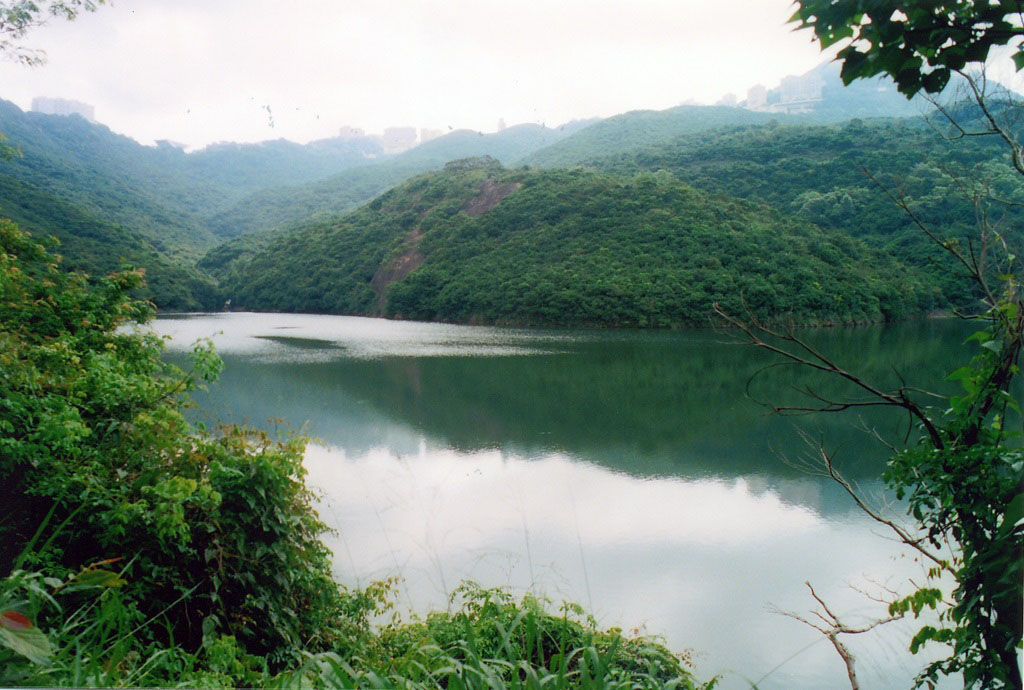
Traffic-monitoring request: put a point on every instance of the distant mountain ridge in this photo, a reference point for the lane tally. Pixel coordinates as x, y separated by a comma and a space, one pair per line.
112, 201
273, 208
204, 224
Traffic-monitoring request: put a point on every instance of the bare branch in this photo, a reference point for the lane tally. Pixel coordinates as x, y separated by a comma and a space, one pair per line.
833, 628
917, 543
802, 353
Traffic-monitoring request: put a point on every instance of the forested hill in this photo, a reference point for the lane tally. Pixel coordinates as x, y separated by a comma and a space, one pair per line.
534, 145
480, 244
161, 192
272, 208
842, 176
639, 129
112, 202
107, 176
90, 243
647, 128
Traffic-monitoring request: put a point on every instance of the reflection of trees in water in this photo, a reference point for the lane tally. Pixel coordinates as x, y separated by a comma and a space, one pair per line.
644, 403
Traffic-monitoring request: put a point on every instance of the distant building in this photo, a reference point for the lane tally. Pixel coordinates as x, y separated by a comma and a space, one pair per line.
347, 132
800, 94
63, 106
757, 97
501, 124
398, 139
428, 134
728, 99
795, 94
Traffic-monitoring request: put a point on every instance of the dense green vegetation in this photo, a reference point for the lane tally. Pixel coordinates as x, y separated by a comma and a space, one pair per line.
161, 192
271, 208
573, 248
111, 201
94, 245
818, 173
140, 550
109, 176
641, 128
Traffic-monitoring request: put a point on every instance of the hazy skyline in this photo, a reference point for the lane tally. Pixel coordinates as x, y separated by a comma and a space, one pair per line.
198, 72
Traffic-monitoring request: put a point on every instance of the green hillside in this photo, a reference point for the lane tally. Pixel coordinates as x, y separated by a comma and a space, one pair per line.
161, 192
638, 129
874, 98
480, 244
109, 176
112, 202
245, 168
272, 208
99, 247
820, 173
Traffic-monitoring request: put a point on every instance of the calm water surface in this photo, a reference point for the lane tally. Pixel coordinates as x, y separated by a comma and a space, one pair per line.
629, 471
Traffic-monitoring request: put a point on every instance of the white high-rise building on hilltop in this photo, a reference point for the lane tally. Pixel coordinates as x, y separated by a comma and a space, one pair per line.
63, 106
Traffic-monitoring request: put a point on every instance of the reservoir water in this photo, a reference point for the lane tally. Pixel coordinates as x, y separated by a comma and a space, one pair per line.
632, 472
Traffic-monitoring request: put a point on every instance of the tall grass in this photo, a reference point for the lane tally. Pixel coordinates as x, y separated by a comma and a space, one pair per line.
80, 632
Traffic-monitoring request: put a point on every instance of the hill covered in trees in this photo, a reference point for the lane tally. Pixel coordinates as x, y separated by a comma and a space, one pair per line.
845, 176
481, 244
280, 206
204, 228
112, 202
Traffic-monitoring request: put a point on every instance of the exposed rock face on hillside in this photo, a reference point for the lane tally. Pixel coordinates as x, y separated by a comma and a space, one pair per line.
490, 196
398, 268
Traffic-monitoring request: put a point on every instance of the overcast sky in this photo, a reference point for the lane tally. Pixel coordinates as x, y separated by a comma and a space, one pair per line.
200, 71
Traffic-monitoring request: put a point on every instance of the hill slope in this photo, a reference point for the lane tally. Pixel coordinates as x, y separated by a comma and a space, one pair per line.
112, 202
273, 208
99, 247
841, 176
476, 243
639, 129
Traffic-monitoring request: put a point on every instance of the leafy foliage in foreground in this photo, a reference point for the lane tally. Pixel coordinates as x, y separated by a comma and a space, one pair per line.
571, 248
138, 550
216, 531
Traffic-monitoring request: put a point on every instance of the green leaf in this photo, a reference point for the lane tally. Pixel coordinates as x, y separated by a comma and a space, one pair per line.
1014, 514
961, 373
29, 642
97, 578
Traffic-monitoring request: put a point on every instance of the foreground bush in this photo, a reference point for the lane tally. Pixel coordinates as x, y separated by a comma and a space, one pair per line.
138, 550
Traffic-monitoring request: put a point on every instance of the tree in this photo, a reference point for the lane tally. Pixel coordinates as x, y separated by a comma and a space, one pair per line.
17, 17
919, 44
963, 481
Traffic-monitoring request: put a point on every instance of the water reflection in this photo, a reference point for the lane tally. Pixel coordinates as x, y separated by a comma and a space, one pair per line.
628, 471
699, 561
663, 404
